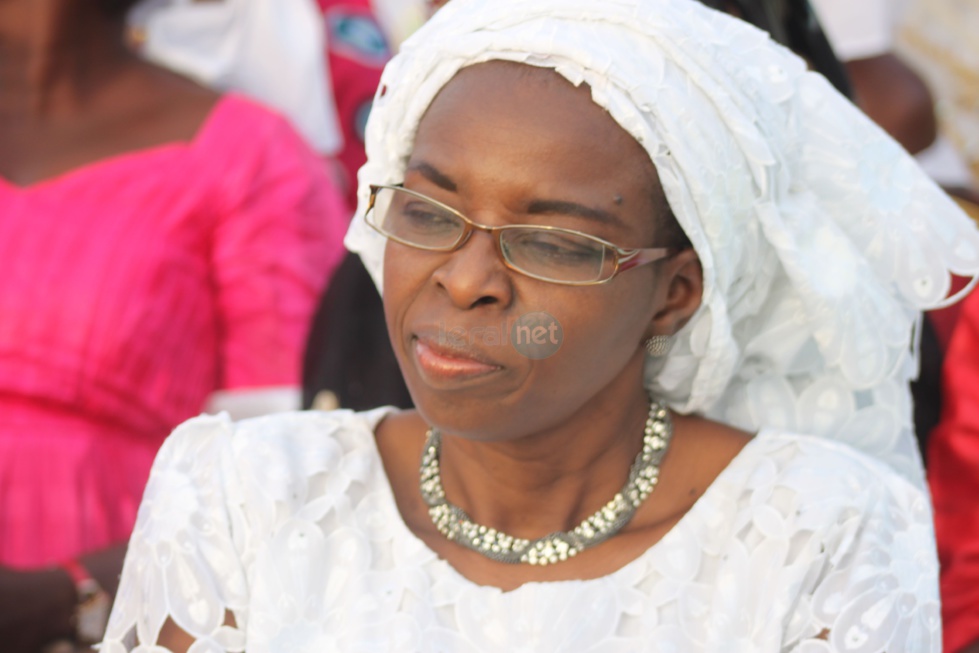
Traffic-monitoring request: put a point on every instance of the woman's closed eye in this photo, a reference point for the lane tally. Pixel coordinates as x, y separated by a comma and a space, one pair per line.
421, 216
557, 249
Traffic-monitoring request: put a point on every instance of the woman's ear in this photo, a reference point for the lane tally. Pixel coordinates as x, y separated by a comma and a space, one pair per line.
683, 278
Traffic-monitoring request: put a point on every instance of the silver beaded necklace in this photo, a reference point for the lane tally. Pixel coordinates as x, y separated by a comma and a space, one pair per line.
452, 522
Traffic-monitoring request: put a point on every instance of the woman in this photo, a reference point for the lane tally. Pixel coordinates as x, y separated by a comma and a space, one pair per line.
159, 246
563, 189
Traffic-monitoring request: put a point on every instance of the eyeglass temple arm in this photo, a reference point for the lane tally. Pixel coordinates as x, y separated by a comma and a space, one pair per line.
373, 196
633, 258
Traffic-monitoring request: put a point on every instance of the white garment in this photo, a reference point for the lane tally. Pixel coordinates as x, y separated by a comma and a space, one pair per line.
288, 522
820, 238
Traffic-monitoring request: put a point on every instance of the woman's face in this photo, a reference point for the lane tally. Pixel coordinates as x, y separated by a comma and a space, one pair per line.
488, 353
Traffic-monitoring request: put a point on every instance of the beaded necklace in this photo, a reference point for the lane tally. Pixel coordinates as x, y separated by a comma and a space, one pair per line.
452, 522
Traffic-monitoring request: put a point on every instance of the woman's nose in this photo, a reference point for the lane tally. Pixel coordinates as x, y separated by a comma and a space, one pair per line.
475, 274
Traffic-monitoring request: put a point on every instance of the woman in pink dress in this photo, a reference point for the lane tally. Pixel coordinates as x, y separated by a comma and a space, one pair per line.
159, 246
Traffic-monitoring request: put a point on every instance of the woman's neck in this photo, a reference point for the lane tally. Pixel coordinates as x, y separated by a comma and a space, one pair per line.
554, 479
54, 55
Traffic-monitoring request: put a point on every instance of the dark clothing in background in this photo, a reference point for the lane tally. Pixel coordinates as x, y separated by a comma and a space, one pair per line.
349, 353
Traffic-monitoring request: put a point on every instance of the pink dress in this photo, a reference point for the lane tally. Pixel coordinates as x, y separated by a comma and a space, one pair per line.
130, 290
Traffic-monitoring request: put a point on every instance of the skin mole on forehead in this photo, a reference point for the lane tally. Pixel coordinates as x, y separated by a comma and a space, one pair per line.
617, 199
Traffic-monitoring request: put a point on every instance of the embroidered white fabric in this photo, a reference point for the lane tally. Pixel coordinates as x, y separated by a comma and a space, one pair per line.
820, 239
288, 523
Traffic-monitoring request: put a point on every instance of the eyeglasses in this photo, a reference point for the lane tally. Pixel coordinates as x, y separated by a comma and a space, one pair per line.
547, 253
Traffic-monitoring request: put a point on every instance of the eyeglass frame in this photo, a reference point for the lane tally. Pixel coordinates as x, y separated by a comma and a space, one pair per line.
625, 258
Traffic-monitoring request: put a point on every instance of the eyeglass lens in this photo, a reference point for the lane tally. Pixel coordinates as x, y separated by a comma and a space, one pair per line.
545, 253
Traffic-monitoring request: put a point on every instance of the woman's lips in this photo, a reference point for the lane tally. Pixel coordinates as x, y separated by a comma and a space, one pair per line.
440, 362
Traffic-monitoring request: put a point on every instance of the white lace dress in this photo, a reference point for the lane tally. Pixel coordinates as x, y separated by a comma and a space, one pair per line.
288, 522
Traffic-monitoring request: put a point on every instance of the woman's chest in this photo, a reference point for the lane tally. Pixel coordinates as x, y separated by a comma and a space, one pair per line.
364, 584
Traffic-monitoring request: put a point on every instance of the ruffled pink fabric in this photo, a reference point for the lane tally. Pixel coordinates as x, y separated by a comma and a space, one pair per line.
130, 290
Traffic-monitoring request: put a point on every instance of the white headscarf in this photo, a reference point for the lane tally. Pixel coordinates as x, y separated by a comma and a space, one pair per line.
820, 238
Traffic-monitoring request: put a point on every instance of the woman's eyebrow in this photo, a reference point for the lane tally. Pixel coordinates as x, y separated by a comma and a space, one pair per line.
564, 207
538, 207
433, 174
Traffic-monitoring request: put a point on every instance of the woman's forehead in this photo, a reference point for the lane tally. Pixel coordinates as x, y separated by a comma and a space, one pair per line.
511, 135
533, 109
507, 79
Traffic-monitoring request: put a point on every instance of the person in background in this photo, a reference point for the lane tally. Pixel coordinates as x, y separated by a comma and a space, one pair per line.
316, 61
320, 63
268, 50
161, 249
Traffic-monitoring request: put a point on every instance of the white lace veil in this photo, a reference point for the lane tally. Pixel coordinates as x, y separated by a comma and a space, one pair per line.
820, 238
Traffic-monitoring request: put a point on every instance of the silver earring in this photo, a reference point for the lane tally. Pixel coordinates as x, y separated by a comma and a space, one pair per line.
659, 345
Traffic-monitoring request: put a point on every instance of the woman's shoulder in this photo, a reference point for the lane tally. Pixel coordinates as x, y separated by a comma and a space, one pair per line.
286, 433
238, 124
273, 452
819, 471
734, 463
816, 508
314, 438
808, 451
782, 485
262, 469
